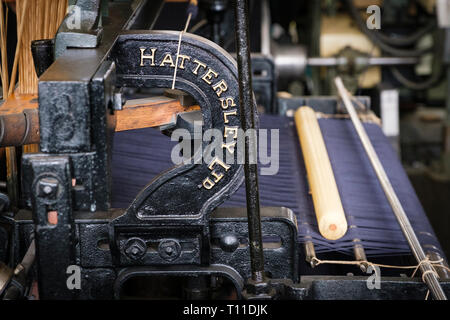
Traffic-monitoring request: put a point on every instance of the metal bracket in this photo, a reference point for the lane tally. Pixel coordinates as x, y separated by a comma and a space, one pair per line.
209, 75
80, 28
54, 224
229, 233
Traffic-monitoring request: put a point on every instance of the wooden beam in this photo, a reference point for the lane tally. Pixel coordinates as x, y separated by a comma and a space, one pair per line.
151, 112
136, 114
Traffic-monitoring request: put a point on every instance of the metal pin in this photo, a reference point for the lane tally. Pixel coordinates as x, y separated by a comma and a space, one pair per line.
360, 254
310, 253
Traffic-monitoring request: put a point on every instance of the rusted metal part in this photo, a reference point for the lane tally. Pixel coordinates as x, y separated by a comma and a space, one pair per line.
19, 121
19, 129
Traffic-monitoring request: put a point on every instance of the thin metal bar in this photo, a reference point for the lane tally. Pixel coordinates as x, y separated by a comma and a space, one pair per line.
248, 120
428, 272
265, 28
362, 61
387, 61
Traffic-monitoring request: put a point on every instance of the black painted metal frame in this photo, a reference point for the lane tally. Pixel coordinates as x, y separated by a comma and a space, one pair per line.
186, 237
170, 222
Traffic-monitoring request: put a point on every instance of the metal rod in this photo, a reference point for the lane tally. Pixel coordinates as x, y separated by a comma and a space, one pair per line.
360, 254
428, 272
265, 28
310, 253
248, 120
362, 61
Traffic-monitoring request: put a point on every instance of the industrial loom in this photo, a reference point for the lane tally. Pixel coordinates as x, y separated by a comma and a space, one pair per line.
103, 195
135, 163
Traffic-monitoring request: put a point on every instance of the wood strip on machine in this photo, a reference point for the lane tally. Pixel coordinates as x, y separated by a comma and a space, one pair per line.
19, 119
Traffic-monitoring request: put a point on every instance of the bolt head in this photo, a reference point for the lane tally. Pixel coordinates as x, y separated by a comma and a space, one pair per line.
48, 188
229, 243
259, 290
135, 248
169, 249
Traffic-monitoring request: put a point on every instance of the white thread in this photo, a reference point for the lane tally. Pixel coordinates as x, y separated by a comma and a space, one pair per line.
178, 49
433, 264
429, 271
357, 263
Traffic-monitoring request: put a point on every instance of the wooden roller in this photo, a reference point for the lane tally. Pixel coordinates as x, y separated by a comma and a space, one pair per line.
327, 203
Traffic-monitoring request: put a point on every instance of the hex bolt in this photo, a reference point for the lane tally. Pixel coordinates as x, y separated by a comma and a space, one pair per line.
135, 248
169, 249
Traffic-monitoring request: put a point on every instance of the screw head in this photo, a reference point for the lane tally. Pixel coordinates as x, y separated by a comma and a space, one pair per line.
135, 248
48, 188
169, 249
229, 243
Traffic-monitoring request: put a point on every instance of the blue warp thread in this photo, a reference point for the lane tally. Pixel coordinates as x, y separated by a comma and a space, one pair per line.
139, 155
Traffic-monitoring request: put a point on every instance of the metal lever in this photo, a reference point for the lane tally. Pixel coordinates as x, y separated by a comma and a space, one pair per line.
248, 120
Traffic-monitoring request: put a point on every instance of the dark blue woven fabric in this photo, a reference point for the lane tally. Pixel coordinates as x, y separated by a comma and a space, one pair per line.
140, 155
